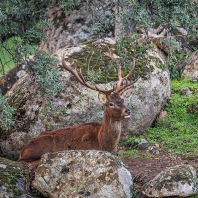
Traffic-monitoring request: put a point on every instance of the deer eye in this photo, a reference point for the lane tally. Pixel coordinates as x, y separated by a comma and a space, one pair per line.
111, 104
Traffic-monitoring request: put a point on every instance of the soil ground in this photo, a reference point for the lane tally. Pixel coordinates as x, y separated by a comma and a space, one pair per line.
143, 170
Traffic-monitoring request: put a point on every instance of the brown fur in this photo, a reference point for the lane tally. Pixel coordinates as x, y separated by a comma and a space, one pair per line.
90, 136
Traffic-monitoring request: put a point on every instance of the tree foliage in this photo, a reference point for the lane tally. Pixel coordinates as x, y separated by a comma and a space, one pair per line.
166, 13
20, 17
6, 114
24, 21
68, 5
152, 17
46, 74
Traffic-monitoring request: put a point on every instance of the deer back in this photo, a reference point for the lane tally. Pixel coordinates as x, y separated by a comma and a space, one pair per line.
81, 137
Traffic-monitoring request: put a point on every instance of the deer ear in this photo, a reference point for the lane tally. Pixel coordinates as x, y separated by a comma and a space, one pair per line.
102, 98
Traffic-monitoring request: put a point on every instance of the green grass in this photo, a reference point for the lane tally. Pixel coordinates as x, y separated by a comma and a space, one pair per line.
134, 153
178, 133
8, 52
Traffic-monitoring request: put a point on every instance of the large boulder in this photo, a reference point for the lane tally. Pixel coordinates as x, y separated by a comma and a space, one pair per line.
179, 181
82, 173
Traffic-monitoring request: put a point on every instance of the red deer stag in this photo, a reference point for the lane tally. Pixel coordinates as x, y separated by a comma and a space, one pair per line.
90, 136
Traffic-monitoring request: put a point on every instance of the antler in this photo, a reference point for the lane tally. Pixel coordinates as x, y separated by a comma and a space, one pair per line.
80, 78
119, 85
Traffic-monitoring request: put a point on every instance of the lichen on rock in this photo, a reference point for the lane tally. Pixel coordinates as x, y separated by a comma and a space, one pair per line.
177, 181
82, 173
12, 179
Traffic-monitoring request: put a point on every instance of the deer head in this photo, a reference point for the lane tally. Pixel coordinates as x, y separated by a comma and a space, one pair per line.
114, 106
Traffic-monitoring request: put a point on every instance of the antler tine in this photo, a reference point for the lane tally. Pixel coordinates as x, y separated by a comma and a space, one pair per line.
121, 79
131, 83
120, 87
86, 84
72, 70
110, 55
80, 78
131, 71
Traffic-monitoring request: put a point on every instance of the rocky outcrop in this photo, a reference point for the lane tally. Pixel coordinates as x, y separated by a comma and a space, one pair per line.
179, 181
75, 26
91, 174
143, 145
188, 67
82, 173
12, 178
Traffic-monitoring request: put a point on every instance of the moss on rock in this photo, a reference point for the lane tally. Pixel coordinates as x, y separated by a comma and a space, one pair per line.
11, 177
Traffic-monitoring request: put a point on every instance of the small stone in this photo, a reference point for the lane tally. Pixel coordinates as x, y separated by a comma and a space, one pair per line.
21, 73
186, 91
3, 166
143, 145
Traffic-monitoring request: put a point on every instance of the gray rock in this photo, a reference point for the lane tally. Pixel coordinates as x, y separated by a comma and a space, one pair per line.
12, 146
21, 73
144, 99
186, 91
12, 177
153, 150
188, 67
82, 173
76, 26
179, 181
143, 145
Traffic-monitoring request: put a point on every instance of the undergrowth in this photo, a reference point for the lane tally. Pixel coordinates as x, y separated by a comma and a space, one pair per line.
178, 132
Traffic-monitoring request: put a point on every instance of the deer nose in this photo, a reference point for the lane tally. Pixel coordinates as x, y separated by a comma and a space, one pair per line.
128, 111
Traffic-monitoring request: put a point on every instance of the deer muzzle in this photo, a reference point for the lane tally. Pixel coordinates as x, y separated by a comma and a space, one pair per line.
127, 113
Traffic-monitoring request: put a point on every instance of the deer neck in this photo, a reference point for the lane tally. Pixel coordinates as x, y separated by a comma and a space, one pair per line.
109, 133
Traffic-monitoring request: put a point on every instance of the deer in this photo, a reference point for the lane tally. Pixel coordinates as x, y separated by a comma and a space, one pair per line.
89, 136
